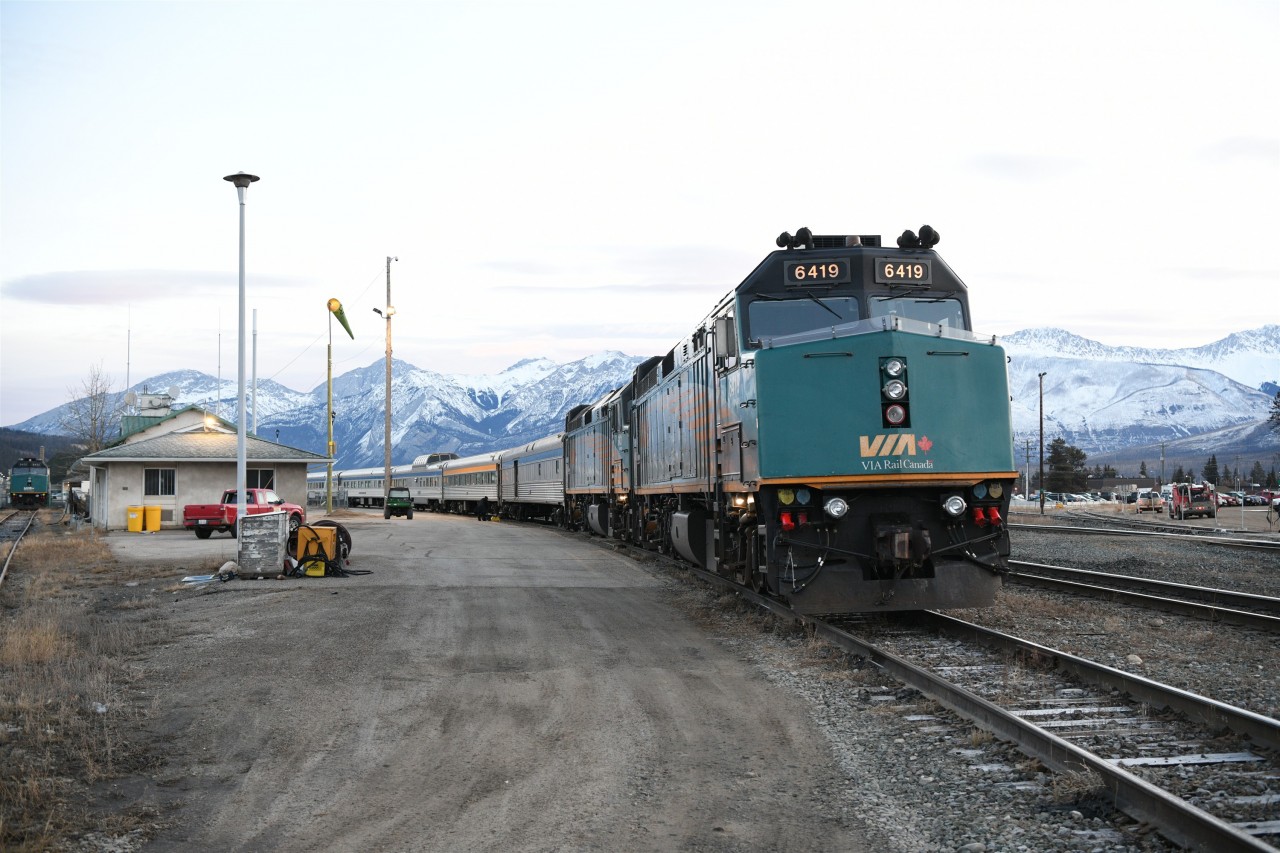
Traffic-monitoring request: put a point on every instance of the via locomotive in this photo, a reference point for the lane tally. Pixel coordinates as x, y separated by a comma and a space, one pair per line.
29, 483
832, 432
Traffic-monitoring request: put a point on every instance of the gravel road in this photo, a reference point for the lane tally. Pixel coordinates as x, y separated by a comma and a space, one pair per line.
488, 687
514, 687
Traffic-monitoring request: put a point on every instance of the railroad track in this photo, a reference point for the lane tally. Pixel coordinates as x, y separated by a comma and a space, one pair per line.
13, 527
1212, 537
1216, 605
1075, 715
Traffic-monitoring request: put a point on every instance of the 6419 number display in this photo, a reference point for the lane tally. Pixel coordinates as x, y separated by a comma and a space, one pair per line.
903, 271
830, 271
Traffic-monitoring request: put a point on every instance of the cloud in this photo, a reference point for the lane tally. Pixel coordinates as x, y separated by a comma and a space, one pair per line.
121, 287
1022, 167
1244, 149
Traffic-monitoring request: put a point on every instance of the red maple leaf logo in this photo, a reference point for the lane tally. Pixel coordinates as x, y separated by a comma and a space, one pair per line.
924, 443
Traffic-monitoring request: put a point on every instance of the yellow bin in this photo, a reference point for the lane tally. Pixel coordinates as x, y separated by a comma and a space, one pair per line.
135, 519
151, 515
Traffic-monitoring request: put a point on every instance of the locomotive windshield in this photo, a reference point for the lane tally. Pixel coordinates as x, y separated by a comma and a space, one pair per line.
941, 311
773, 317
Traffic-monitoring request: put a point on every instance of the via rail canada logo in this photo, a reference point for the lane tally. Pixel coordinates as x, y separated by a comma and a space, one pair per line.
894, 452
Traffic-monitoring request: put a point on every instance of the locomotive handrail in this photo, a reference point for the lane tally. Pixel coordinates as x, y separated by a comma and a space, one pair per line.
875, 325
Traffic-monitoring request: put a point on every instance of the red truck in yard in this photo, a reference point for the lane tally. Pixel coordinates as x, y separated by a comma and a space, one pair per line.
204, 519
1193, 499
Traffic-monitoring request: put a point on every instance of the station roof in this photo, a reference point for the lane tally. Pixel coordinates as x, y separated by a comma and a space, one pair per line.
200, 446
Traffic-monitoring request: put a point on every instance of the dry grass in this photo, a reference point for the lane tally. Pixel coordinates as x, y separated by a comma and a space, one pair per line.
67, 697
1077, 787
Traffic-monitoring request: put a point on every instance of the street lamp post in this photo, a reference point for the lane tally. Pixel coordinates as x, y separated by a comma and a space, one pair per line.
386, 441
241, 181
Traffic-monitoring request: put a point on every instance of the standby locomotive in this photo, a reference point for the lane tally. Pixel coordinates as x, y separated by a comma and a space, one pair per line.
832, 432
29, 483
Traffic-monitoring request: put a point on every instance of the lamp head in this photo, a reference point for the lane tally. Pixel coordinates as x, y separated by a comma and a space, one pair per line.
242, 179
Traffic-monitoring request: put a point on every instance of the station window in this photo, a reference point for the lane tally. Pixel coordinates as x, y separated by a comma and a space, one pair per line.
158, 482
260, 478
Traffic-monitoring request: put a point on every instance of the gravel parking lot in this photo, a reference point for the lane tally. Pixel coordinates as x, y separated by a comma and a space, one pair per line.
487, 687
514, 687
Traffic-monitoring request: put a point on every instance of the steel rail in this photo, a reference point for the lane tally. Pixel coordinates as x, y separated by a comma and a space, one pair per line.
1213, 595
1254, 544
1177, 820
1197, 610
1216, 715
4, 569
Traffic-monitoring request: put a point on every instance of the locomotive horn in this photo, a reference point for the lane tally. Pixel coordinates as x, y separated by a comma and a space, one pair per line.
928, 237
336, 307
784, 241
805, 238
908, 240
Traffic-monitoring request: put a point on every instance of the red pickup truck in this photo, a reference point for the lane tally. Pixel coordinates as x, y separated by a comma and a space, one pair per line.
204, 519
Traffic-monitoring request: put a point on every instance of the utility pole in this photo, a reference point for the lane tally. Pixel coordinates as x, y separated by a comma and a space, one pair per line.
1028, 462
1042, 444
386, 441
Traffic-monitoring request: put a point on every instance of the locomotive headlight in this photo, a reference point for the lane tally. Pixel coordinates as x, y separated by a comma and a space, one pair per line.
954, 505
895, 389
836, 507
894, 367
786, 497
739, 500
895, 414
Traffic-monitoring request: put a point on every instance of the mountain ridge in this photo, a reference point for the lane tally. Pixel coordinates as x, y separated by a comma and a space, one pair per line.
1107, 400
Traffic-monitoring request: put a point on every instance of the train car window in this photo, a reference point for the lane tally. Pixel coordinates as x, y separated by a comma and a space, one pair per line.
942, 311
774, 318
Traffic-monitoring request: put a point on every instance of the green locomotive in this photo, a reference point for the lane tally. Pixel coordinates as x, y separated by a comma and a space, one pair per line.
29, 484
833, 432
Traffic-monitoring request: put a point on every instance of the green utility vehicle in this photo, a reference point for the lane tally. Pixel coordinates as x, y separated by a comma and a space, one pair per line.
399, 502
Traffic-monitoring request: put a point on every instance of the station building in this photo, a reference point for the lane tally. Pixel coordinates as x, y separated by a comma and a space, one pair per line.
166, 460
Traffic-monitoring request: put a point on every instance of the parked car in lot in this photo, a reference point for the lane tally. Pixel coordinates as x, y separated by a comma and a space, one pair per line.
1150, 502
1255, 500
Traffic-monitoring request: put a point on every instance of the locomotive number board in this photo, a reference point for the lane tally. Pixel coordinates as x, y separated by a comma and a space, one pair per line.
904, 271
830, 271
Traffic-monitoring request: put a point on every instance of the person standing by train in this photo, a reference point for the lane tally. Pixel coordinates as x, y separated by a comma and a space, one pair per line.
482, 509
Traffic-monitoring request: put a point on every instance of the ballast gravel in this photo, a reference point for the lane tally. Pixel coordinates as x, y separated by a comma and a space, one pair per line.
928, 780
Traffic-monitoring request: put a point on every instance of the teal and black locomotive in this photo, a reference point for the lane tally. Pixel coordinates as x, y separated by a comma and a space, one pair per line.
29, 484
832, 432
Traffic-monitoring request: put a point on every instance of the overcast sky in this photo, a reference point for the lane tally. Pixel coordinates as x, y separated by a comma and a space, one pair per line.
559, 179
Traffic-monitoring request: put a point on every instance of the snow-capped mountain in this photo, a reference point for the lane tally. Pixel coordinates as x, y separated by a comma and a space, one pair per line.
1115, 403
1134, 404
431, 412
1251, 358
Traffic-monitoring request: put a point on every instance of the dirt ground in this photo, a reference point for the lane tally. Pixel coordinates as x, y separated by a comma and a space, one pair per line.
488, 687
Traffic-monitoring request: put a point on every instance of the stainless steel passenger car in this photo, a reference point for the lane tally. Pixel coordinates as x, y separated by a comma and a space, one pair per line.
531, 480
466, 481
